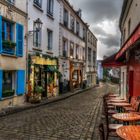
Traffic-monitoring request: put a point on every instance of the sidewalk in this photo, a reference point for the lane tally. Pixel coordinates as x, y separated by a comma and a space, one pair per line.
16, 109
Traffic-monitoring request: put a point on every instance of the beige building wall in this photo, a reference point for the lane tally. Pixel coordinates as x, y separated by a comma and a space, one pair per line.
132, 12
7, 62
91, 66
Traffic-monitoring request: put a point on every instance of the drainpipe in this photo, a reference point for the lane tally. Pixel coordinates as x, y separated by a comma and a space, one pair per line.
26, 37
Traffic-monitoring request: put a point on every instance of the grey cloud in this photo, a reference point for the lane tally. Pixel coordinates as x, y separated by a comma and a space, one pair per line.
110, 40
96, 11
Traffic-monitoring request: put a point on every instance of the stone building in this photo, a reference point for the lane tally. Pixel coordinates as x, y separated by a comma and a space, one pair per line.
43, 46
13, 46
129, 53
91, 51
128, 57
72, 45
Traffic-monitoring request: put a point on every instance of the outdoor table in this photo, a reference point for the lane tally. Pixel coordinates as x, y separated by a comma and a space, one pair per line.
130, 132
126, 117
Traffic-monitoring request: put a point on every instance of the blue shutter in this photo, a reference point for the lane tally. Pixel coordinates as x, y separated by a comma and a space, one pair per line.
1, 78
19, 40
20, 82
0, 34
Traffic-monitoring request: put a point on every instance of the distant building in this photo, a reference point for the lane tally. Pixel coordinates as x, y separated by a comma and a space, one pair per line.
13, 46
99, 70
91, 52
72, 45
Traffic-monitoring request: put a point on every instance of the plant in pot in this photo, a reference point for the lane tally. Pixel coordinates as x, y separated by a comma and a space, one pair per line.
36, 98
9, 44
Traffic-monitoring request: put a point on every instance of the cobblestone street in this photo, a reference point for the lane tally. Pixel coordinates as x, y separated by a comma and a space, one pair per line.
75, 118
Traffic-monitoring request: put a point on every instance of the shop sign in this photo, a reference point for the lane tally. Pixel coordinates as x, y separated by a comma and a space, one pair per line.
43, 61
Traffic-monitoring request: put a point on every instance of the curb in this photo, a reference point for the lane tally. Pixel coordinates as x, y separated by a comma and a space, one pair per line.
57, 99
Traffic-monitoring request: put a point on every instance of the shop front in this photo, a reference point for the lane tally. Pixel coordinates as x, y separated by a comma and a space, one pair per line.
76, 75
130, 51
43, 72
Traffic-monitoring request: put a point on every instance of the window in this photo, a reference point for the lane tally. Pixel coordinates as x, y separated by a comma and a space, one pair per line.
11, 1
72, 23
7, 30
38, 3
71, 49
89, 55
8, 83
50, 39
83, 54
129, 26
84, 34
66, 18
65, 47
37, 38
77, 28
123, 35
77, 52
94, 58
50, 7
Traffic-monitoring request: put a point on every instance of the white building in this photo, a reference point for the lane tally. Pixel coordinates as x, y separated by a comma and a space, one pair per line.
43, 45
91, 51
71, 47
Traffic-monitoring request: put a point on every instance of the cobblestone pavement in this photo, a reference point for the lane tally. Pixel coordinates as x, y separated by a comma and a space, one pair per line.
75, 118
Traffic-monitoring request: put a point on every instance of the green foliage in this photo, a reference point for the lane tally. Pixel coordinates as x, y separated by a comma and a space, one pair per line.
8, 93
39, 89
9, 44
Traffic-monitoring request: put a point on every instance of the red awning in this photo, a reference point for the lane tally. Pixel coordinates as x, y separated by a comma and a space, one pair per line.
111, 62
132, 39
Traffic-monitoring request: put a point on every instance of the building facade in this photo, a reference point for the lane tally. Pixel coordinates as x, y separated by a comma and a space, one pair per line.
72, 45
130, 52
13, 27
91, 51
43, 46
99, 70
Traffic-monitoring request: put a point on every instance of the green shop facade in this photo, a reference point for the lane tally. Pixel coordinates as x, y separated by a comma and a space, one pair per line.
43, 72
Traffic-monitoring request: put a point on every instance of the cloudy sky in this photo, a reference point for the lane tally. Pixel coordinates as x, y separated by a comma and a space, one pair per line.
103, 17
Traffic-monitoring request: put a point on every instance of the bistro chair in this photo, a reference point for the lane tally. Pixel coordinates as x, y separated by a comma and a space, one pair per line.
102, 132
111, 127
132, 104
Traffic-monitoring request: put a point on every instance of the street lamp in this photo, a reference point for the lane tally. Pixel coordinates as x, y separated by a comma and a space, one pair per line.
37, 25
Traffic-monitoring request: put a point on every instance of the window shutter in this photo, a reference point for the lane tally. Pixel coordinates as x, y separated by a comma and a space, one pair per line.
20, 82
19, 40
1, 78
0, 34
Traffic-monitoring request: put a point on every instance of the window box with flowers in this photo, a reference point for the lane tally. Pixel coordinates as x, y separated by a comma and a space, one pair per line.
9, 47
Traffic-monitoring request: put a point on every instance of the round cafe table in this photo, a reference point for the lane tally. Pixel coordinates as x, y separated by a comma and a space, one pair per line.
130, 132
126, 117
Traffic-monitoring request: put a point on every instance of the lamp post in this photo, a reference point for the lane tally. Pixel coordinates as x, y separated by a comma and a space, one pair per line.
38, 25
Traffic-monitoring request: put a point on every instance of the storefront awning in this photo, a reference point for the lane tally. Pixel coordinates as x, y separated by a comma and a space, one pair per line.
51, 68
111, 62
129, 43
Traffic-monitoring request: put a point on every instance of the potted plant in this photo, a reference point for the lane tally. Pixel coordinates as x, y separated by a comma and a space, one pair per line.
36, 98
8, 93
9, 44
